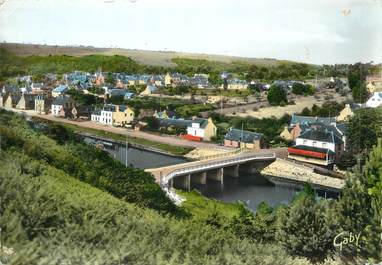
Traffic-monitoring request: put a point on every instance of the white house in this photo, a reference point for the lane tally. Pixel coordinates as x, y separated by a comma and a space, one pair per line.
201, 129
375, 100
322, 146
62, 106
104, 116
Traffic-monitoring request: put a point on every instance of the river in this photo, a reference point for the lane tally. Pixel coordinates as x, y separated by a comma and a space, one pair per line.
251, 189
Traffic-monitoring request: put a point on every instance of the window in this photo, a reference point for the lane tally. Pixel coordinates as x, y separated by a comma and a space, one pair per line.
314, 143
323, 145
304, 142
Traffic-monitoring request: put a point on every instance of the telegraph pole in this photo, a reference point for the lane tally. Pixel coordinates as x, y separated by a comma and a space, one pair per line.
126, 152
1, 206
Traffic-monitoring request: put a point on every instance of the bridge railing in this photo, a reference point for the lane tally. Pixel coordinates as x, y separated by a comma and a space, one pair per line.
165, 179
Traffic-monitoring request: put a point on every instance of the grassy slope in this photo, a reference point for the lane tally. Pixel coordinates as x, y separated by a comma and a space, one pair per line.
200, 206
89, 225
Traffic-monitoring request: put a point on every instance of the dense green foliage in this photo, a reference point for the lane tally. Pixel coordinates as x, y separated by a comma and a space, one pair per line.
328, 109
302, 89
277, 96
83, 99
94, 167
248, 71
269, 127
364, 128
307, 228
356, 77
360, 207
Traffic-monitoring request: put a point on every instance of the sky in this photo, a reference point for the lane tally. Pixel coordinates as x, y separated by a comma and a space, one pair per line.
312, 31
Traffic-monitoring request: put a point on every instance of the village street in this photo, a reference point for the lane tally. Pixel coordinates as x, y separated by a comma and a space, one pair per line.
170, 140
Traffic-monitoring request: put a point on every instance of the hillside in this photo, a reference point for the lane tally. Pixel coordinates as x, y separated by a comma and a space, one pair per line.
50, 215
157, 58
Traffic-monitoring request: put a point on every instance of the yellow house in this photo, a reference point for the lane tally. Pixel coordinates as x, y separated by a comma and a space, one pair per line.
122, 115
167, 79
347, 112
286, 134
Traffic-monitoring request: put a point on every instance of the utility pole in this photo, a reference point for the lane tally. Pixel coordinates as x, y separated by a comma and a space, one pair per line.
126, 152
242, 135
221, 103
1, 206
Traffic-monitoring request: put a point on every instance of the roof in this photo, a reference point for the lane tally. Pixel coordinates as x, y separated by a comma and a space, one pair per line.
202, 122
177, 123
60, 89
15, 97
28, 97
152, 88
244, 136
321, 134
96, 112
308, 120
61, 100
109, 107
342, 127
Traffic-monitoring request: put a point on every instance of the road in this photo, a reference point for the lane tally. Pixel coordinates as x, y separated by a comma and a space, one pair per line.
166, 139
157, 172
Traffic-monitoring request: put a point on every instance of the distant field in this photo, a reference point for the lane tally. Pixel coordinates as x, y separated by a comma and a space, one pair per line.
161, 58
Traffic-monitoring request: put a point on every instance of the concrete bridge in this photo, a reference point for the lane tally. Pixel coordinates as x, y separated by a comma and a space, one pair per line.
265, 162
198, 172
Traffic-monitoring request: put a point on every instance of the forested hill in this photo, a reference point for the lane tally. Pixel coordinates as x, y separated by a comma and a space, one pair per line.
12, 64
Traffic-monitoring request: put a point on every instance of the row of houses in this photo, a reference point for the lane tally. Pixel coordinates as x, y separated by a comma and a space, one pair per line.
170, 79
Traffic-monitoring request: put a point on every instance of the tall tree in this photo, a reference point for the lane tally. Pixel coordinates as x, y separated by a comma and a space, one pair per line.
360, 207
277, 95
363, 130
356, 77
307, 228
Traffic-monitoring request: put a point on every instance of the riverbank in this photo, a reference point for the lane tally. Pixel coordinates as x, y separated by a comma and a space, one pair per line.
134, 141
201, 207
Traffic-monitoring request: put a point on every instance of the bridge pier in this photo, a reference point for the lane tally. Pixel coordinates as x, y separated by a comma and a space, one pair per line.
232, 171
216, 175
248, 168
199, 178
183, 182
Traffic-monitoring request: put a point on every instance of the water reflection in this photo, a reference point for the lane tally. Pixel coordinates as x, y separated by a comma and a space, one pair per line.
251, 189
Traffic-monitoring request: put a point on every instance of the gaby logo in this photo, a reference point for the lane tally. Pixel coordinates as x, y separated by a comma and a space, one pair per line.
343, 239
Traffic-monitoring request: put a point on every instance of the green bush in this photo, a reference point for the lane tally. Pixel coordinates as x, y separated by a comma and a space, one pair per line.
276, 95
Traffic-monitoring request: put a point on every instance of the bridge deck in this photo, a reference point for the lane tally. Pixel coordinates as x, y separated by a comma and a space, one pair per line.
157, 172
